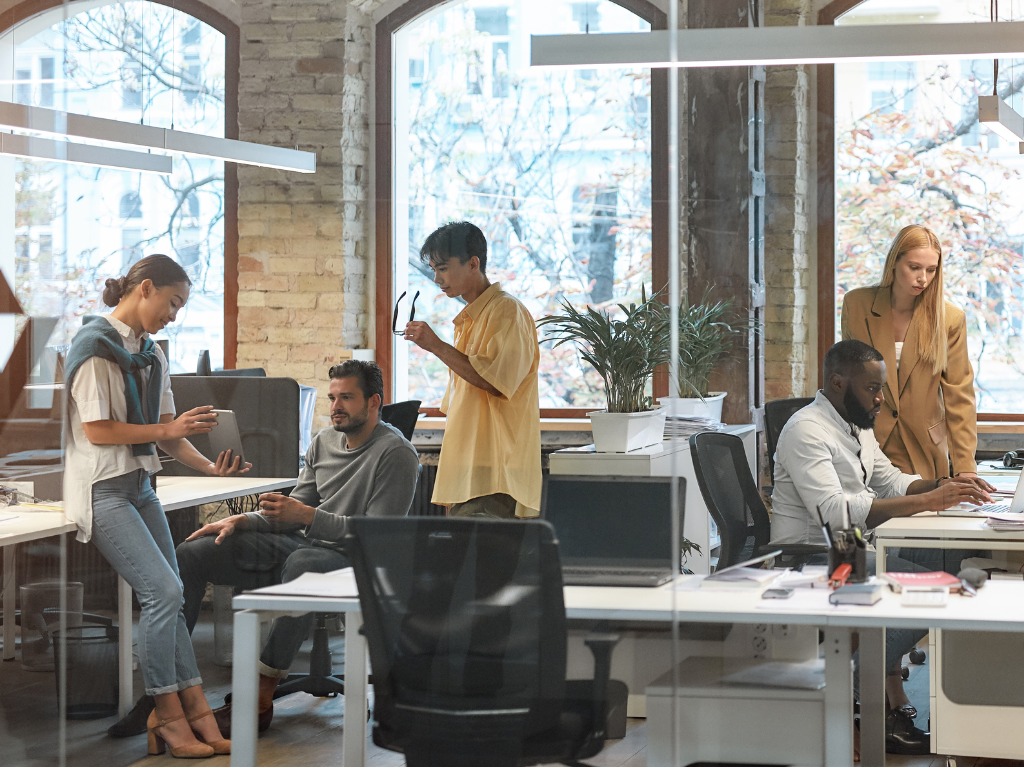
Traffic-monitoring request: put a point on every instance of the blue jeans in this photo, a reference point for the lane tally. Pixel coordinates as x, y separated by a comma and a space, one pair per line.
130, 530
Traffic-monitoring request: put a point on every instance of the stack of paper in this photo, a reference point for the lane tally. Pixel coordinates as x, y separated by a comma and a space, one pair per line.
684, 426
1006, 521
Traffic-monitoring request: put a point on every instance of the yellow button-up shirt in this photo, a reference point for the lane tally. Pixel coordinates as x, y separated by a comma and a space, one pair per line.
492, 444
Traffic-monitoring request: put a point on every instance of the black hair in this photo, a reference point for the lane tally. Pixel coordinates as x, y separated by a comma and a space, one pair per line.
161, 269
371, 380
847, 357
456, 239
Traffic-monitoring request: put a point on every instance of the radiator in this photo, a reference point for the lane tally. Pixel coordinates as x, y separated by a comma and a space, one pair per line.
421, 506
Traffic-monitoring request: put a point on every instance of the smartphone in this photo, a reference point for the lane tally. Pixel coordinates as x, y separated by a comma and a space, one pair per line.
776, 594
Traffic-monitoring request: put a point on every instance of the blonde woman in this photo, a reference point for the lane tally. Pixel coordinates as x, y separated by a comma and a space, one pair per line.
928, 423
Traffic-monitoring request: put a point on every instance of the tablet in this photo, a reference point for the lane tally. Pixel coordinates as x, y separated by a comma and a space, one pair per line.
225, 436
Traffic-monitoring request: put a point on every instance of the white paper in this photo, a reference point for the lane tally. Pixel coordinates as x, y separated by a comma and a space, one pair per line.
340, 583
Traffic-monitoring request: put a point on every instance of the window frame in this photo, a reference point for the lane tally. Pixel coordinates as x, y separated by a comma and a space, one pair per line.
24, 11
826, 236
384, 165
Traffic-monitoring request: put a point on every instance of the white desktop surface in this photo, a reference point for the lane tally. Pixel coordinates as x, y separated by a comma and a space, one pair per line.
934, 531
999, 606
30, 524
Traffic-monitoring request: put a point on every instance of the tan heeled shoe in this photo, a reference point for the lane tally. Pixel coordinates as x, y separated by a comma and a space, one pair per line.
220, 746
157, 743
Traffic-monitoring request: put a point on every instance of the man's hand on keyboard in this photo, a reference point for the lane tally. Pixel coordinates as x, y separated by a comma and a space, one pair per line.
962, 489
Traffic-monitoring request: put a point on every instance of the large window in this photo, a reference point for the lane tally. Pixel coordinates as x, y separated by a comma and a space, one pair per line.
74, 226
909, 149
555, 167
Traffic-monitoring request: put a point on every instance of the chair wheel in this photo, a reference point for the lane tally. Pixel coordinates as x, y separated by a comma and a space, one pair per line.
916, 656
905, 673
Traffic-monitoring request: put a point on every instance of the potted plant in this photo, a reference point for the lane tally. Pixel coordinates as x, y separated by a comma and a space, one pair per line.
709, 332
624, 351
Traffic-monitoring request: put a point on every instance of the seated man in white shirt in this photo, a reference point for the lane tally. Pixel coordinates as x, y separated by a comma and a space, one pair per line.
828, 460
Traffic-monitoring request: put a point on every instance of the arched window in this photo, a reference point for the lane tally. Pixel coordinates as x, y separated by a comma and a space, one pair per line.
140, 62
555, 167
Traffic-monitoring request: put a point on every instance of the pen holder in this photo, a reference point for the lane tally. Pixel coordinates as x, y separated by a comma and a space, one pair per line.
848, 547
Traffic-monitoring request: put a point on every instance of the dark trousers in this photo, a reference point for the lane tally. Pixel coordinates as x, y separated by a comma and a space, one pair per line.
249, 560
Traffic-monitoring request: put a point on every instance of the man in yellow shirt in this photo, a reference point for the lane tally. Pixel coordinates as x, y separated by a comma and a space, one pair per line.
490, 454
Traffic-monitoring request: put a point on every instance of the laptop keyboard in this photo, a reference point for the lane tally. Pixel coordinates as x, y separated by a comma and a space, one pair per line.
992, 509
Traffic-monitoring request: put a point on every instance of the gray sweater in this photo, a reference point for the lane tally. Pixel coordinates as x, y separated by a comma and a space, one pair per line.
377, 478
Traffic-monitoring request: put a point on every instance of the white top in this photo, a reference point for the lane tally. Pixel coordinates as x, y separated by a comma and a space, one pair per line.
822, 460
97, 394
899, 352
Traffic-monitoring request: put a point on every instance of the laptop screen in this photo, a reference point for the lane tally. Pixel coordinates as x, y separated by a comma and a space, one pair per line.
614, 521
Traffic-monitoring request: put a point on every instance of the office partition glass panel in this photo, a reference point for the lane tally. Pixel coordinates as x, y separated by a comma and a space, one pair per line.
67, 229
910, 150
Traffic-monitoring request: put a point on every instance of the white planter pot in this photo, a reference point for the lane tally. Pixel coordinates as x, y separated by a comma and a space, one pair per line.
710, 406
624, 432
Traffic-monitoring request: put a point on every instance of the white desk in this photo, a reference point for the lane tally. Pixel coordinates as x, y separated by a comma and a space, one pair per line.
179, 492
985, 731
30, 524
1000, 606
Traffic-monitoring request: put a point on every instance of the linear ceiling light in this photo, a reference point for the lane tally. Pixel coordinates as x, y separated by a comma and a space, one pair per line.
21, 117
749, 46
35, 148
1000, 118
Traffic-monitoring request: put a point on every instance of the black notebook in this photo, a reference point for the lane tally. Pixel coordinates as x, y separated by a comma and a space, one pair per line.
615, 531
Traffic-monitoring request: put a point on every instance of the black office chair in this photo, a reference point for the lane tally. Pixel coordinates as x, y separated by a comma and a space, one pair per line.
321, 680
732, 498
465, 623
776, 414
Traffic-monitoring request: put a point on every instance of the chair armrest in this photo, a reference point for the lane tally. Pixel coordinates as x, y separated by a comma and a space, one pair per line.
794, 553
601, 645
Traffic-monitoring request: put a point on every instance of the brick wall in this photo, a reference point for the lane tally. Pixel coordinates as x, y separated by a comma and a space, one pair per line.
790, 273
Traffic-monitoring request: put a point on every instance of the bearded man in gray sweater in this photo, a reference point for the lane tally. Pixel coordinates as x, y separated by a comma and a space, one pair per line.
359, 466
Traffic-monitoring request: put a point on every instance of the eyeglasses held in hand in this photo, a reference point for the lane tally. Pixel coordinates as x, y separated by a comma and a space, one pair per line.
412, 313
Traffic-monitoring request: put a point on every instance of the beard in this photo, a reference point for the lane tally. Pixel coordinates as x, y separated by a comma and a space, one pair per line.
354, 423
856, 413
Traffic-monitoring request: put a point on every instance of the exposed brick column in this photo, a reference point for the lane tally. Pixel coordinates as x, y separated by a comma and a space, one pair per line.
302, 290
790, 348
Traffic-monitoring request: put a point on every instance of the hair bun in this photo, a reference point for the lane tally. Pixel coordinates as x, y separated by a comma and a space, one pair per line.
113, 290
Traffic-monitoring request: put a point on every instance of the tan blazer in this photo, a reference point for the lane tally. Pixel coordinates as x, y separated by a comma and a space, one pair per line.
936, 413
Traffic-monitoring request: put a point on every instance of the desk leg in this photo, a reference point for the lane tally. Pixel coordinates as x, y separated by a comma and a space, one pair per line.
124, 647
9, 639
880, 555
353, 735
838, 698
245, 650
872, 696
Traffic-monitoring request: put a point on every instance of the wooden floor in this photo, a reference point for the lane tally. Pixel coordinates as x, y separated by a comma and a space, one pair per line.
306, 730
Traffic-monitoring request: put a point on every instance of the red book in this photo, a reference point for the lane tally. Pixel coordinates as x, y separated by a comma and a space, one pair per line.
921, 579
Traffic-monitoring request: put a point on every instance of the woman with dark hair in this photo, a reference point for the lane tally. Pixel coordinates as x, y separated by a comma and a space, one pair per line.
119, 408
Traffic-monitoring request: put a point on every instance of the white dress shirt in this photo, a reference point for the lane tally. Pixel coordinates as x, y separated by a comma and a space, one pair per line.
97, 394
824, 462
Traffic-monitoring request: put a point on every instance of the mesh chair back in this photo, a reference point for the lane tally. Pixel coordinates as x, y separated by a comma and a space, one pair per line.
403, 416
465, 623
720, 463
776, 414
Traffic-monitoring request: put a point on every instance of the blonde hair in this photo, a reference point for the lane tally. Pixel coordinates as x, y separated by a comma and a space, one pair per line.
931, 337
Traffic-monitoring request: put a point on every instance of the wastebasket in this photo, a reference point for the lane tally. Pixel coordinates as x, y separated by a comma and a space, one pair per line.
91, 663
40, 607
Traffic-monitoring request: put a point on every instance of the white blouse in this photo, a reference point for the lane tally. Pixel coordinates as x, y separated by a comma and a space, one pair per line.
97, 394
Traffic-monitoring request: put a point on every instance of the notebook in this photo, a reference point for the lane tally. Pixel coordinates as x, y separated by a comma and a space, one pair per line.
1015, 506
615, 531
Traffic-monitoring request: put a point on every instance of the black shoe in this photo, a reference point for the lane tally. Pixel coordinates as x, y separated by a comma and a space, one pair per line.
902, 737
223, 715
134, 722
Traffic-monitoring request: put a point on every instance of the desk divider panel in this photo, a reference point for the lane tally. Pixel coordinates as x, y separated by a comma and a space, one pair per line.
267, 411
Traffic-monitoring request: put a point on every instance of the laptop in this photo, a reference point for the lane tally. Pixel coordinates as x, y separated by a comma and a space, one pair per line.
1015, 506
615, 531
